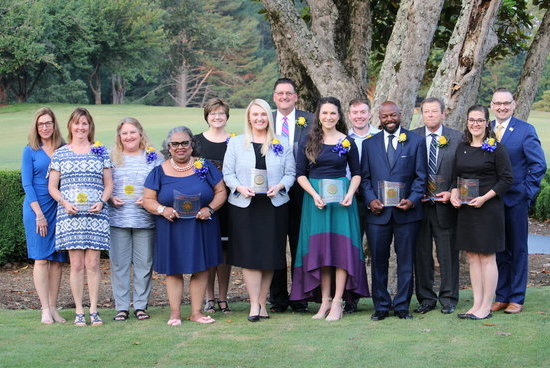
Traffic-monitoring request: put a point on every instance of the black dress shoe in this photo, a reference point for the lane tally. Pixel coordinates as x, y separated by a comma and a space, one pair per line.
299, 308
379, 315
476, 318
448, 309
278, 308
350, 307
403, 314
424, 308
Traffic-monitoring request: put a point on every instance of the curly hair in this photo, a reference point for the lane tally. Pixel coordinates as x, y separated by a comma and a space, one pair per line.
315, 138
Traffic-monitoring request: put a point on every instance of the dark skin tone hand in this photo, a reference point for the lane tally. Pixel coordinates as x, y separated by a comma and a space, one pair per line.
376, 206
404, 204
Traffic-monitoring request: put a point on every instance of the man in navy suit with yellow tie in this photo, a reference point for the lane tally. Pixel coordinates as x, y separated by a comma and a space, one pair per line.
399, 156
528, 169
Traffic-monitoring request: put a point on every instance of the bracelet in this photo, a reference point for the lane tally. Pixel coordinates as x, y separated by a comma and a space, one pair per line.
40, 218
160, 209
210, 209
104, 202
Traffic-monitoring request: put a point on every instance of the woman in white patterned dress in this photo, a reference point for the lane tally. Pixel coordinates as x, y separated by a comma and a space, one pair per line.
80, 181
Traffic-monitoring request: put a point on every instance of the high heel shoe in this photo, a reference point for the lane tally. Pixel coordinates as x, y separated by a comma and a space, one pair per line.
321, 314
337, 315
256, 317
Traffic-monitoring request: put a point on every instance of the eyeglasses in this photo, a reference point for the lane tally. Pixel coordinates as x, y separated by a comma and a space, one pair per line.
46, 124
503, 103
288, 94
476, 121
178, 144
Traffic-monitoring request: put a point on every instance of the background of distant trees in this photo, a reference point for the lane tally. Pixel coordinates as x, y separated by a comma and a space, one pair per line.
176, 52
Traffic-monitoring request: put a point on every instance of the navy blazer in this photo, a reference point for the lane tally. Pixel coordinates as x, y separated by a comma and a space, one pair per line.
410, 168
527, 159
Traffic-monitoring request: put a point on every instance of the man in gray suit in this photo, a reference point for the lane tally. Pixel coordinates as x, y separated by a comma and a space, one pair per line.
294, 124
439, 216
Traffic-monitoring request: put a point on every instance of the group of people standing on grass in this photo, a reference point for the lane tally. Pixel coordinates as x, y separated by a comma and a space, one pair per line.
216, 200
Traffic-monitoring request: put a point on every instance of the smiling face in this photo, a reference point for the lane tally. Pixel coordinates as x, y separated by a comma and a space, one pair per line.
257, 118
390, 117
359, 115
45, 127
477, 124
217, 118
80, 128
285, 97
180, 147
503, 105
328, 116
432, 116
130, 137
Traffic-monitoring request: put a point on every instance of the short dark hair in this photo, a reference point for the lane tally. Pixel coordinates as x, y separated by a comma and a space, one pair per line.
357, 101
433, 99
214, 104
285, 81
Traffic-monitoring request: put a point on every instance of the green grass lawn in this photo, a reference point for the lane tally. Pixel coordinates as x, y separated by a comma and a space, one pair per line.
15, 123
285, 340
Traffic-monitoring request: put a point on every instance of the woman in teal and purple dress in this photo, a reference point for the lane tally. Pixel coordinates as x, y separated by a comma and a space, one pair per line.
330, 241
39, 212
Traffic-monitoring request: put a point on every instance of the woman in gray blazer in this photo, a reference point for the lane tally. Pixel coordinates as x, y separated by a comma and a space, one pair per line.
259, 170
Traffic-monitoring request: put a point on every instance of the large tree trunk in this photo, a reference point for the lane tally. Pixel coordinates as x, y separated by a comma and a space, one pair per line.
118, 86
181, 85
406, 55
94, 81
533, 68
458, 76
3, 90
321, 64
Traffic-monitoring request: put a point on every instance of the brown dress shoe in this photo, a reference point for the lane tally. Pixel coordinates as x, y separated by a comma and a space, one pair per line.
513, 308
498, 306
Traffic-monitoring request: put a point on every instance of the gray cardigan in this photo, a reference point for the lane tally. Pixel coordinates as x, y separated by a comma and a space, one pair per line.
238, 161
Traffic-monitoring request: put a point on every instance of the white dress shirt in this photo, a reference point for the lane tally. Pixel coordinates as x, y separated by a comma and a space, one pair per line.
394, 141
291, 125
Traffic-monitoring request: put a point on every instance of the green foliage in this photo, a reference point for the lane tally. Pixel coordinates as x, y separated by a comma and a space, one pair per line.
541, 208
544, 103
12, 241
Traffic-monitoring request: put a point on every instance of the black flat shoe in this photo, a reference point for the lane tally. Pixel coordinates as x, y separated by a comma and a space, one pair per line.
424, 308
476, 318
379, 315
464, 315
253, 318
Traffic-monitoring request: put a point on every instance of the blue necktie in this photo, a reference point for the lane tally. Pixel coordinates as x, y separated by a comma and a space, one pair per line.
390, 151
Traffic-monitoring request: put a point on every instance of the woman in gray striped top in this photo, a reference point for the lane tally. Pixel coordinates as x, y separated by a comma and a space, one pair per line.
132, 227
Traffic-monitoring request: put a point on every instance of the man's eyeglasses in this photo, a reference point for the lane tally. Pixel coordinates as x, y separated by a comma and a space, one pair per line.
288, 94
178, 144
503, 103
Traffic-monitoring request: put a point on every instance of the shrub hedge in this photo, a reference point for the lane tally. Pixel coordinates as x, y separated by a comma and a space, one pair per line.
12, 234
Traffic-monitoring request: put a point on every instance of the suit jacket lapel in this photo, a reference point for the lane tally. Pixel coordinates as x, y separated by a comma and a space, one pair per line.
509, 129
442, 151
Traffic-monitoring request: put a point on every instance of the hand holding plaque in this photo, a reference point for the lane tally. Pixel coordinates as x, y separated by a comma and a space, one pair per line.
332, 190
258, 179
435, 185
187, 205
82, 197
390, 192
468, 189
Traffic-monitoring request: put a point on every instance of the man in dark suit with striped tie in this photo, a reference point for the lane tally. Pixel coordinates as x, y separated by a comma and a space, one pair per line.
294, 124
439, 216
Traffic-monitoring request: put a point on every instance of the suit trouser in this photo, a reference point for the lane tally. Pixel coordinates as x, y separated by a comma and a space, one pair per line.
513, 262
379, 239
131, 246
278, 292
447, 256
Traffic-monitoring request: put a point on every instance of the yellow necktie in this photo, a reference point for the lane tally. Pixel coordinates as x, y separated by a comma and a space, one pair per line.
500, 131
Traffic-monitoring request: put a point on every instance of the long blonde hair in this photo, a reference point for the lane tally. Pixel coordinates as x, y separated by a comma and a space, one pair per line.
34, 139
116, 154
248, 129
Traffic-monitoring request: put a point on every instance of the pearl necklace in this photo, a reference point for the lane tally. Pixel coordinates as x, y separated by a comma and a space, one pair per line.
180, 169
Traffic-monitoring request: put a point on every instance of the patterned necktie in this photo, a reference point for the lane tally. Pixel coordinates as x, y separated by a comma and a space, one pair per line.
390, 151
284, 129
500, 131
432, 165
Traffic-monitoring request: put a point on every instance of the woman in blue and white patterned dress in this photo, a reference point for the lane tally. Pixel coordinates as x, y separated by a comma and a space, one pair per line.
80, 181
132, 227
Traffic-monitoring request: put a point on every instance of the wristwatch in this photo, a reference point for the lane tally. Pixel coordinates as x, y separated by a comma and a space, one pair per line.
211, 210
160, 209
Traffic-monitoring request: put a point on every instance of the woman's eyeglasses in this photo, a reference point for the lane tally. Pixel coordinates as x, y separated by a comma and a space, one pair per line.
178, 144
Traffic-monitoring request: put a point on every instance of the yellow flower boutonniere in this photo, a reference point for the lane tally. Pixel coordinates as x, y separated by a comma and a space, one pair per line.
301, 122
346, 143
369, 136
402, 138
200, 168
442, 141
150, 155
98, 148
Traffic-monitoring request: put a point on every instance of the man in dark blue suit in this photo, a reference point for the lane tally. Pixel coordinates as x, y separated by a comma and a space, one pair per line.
528, 168
294, 124
399, 156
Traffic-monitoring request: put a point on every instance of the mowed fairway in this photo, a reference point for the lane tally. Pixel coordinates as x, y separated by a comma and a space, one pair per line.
15, 122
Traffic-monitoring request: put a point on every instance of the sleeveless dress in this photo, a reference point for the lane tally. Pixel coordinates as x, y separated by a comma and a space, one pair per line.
331, 236
185, 246
81, 180
34, 169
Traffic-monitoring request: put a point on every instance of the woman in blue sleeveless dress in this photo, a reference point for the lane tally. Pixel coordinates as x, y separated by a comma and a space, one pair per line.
330, 241
39, 212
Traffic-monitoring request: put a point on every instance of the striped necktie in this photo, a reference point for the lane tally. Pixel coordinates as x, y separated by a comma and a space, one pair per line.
284, 129
432, 165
